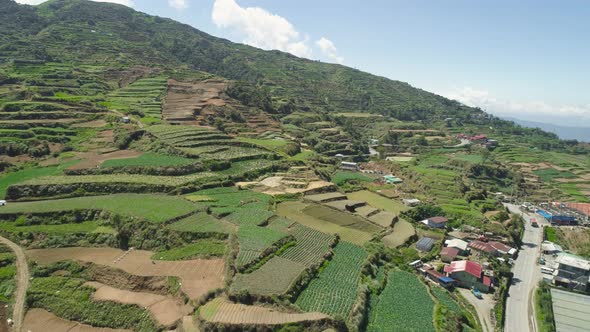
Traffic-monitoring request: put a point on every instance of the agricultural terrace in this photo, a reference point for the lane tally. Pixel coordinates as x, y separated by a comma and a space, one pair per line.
9, 179
206, 143
198, 276
143, 96
404, 296
68, 298
248, 211
275, 277
203, 248
202, 223
378, 201
222, 311
170, 181
7, 273
402, 232
164, 309
334, 291
311, 248
351, 228
155, 208
60, 229
40, 320
148, 160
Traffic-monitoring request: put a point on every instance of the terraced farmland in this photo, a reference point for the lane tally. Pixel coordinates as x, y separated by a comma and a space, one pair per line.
222, 311
155, 208
202, 223
404, 296
144, 96
275, 277
148, 160
334, 291
312, 245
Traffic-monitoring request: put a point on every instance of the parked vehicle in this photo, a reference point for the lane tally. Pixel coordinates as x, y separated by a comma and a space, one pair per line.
477, 293
546, 270
534, 222
542, 261
2, 202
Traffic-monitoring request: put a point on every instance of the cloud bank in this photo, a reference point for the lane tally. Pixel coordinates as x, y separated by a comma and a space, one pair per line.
178, 4
526, 110
263, 29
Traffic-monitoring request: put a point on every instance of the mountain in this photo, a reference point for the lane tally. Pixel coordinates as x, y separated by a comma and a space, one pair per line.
564, 132
77, 30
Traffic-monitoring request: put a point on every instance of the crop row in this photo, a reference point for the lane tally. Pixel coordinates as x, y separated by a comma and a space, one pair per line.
404, 304
121, 178
334, 291
273, 278
312, 245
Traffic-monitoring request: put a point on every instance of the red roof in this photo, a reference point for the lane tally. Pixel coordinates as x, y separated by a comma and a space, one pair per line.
481, 246
470, 267
438, 220
449, 251
435, 273
487, 281
499, 246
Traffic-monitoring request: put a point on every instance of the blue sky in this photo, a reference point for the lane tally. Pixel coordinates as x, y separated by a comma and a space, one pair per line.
527, 59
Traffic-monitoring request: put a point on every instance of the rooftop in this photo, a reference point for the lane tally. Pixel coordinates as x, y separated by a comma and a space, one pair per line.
573, 260
457, 243
470, 267
449, 251
438, 220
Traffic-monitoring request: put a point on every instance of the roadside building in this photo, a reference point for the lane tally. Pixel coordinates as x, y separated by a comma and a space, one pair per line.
435, 222
460, 245
556, 218
349, 166
493, 248
572, 271
468, 274
449, 254
425, 244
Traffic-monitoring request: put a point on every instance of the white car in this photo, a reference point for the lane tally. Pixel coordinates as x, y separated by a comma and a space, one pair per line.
2, 202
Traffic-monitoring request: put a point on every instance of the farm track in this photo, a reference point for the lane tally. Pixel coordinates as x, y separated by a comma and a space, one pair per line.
22, 283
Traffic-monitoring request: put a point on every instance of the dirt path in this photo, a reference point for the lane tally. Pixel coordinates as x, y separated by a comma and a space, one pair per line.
22, 283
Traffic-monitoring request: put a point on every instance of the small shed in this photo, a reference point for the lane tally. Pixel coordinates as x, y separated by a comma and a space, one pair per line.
390, 179
425, 244
411, 201
125, 119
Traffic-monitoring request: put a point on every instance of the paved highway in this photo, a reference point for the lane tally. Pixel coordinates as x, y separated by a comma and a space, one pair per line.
519, 306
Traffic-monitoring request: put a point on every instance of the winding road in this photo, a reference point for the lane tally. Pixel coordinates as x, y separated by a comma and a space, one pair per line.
22, 283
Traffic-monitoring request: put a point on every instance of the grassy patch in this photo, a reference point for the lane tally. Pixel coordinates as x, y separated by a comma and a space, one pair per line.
156, 208
29, 174
148, 160
202, 223
341, 177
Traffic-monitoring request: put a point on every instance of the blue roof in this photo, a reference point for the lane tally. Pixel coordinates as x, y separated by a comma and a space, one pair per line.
446, 279
544, 213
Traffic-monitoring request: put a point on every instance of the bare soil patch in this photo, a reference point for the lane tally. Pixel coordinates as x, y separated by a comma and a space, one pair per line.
39, 320
402, 231
93, 159
198, 276
221, 310
165, 309
186, 100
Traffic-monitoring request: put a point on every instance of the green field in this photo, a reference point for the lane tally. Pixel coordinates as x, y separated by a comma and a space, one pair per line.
273, 278
156, 208
148, 160
378, 201
404, 296
341, 177
334, 291
29, 174
122, 178
202, 223
202, 248
311, 247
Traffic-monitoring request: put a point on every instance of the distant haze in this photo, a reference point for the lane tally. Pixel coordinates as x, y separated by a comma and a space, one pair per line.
564, 132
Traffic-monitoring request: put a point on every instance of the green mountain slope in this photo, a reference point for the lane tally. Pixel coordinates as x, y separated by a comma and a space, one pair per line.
78, 30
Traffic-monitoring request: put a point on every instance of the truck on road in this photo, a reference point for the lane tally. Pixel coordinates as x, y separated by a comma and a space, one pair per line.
534, 222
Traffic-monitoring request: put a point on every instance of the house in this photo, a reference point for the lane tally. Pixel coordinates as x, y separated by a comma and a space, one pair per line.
449, 254
478, 138
349, 166
411, 201
493, 248
425, 244
435, 222
390, 179
458, 244
572, 271
468, 274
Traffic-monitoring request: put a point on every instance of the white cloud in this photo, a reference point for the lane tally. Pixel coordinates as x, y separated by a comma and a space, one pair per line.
329, 49
128, 3
260, 28
178, 4
527, 110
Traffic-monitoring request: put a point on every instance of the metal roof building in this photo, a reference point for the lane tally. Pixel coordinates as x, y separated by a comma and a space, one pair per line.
425, 244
